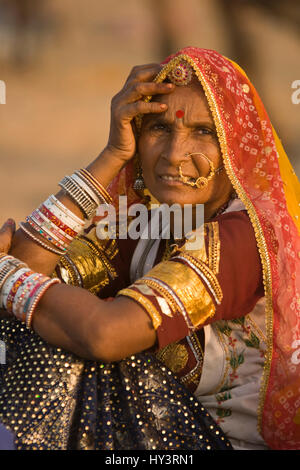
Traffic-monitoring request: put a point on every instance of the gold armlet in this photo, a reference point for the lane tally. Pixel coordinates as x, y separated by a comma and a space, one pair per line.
145, 303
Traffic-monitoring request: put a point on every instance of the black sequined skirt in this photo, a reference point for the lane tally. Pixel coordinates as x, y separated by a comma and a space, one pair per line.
53, 400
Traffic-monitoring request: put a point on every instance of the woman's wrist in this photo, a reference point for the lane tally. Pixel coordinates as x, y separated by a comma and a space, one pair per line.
107, 165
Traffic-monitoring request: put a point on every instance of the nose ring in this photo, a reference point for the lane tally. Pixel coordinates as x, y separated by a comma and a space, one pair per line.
202, 181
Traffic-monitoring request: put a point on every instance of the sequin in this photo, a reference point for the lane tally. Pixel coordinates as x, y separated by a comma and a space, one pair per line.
124, 405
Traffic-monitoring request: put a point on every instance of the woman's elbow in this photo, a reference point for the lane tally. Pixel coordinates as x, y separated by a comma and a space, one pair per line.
102, 344
116, 334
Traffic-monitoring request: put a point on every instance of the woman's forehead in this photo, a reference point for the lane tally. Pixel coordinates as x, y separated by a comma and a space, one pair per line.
190, 99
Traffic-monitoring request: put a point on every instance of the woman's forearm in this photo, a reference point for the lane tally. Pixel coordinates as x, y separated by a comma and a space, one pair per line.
104, 168
78, 321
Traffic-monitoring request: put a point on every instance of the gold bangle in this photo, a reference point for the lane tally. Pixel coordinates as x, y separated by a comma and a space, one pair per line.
145, 303
161, 290
207, 273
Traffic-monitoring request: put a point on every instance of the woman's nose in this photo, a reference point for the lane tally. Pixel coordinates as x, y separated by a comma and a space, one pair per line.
176, 150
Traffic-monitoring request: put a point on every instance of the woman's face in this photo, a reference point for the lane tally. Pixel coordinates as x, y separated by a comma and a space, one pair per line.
185, 127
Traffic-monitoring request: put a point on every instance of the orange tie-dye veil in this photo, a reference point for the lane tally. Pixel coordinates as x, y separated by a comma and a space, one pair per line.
264, 180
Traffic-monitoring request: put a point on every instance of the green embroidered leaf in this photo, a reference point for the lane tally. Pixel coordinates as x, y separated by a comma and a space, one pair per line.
239, 321
233, 362
253, 341
223, 412
241, 359
236, 360
225, 329
223, 396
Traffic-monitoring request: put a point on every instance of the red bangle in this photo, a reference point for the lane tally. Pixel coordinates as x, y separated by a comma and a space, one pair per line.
44, 234
57, 222
35, 215
14, 290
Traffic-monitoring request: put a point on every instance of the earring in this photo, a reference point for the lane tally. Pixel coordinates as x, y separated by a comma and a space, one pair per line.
139, 182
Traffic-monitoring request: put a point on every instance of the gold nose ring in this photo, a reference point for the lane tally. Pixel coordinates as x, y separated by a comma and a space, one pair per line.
202, 181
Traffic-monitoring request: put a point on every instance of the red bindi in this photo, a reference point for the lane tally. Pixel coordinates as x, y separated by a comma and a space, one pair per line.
179, 113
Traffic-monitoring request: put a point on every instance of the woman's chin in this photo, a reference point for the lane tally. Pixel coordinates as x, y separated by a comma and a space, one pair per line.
178, 194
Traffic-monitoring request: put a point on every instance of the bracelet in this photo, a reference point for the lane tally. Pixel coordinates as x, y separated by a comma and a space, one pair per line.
4, 259
84, 202
45, 234
30, 296
8, 284
90, 184
62, 243
9, 300
6, 276
38, 297
98, 186
77, 177
21, 289
9, 266
40, 242
62, 219
52, 199
57, 222
20, 298
44, 219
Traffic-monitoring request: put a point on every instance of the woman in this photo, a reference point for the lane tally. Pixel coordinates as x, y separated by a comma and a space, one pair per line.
224, 318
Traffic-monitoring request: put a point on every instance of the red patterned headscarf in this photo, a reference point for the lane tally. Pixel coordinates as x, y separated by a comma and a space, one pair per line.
264, 180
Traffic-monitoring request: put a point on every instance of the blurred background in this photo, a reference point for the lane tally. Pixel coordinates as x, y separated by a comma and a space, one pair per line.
62, 61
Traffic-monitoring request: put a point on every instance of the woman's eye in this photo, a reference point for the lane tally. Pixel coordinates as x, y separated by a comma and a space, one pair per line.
159, 127
204, 131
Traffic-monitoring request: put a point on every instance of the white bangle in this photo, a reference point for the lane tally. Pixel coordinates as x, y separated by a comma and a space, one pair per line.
37, 297
64, 214
80, 197
7, 286
86, 188
46, 222
51, 235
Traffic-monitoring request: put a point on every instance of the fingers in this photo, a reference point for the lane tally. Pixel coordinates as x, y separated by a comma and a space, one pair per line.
6, 233
129, 103
8, 226
141, 107
143, 73
138, 90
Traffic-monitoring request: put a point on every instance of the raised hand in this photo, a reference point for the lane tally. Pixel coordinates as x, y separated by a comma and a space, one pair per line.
129, 103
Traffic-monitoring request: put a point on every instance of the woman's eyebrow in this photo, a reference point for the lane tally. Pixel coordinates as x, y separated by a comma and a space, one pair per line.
150, 118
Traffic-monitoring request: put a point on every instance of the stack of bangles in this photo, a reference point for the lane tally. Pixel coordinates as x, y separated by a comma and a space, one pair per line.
20, 288
55, 222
